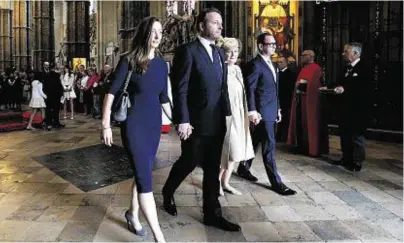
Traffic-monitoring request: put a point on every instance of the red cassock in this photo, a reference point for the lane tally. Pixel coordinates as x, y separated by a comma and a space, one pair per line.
309, 125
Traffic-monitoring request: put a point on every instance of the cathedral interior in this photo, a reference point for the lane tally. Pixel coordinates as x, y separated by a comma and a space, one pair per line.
63, 185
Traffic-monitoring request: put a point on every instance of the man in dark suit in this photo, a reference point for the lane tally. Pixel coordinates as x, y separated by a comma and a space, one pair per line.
261, 84
201, 104
53, 89
287, 82
354, 90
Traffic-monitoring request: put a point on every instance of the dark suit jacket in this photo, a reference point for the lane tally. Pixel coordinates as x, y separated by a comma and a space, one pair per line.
199, 97
52, 86
356, 100
261, 88
287, 82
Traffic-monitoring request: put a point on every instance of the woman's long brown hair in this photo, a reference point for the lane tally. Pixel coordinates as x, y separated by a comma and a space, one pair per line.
139, 54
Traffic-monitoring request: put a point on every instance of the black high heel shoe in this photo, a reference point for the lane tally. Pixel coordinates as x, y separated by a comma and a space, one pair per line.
131, 227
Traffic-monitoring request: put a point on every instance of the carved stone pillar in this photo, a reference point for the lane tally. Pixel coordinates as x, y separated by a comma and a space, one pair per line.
6, 30
44, 47
78, 30
107, 32
23, 35
132, 12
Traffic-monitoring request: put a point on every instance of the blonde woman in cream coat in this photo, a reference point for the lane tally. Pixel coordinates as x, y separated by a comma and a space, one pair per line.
237, 143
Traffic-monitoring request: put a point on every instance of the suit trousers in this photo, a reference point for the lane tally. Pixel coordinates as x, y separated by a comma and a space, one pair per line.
206, 152
52, 111
264, 133
352, 145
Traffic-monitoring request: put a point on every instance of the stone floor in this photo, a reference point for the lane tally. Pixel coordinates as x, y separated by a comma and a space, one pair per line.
332, 204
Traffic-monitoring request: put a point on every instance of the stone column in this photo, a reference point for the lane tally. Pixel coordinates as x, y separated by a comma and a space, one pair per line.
23, 35
6, 32
132, 12
44, 47
107, 32
78, 30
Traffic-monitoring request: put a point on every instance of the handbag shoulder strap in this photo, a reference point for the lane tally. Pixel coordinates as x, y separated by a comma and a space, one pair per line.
127, 80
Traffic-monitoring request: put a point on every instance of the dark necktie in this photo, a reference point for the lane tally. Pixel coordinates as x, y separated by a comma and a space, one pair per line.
349, 68
216, 62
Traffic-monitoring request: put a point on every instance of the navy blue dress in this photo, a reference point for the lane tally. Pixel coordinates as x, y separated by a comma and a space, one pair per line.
141, 131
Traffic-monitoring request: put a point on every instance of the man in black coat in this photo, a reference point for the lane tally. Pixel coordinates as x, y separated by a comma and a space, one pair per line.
201, 104
355, 104
53, 89
287, 81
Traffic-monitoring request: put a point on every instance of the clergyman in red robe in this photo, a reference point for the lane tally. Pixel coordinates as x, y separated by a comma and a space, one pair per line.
304, 127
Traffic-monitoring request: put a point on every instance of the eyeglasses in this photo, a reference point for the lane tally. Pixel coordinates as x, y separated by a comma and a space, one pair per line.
273, 44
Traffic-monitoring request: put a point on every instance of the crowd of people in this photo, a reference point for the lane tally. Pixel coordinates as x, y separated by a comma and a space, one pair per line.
53, 89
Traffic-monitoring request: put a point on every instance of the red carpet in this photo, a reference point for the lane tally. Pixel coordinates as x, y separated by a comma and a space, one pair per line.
13, 121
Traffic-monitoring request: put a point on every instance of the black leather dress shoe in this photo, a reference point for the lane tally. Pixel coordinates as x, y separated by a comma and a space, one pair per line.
284, 190
169, 204
247, 175
221, 223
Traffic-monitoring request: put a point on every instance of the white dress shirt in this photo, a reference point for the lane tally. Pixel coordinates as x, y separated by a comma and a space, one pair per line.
270, 65
355, 62
206, 43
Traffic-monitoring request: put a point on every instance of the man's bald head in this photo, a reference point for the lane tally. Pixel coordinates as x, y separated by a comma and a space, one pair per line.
308, 56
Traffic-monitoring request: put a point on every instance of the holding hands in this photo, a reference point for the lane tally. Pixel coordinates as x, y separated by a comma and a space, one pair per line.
184, 131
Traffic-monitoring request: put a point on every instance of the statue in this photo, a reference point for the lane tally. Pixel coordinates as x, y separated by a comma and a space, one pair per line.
177, 29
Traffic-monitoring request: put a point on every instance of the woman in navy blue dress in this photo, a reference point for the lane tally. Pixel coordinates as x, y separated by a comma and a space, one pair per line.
141, 131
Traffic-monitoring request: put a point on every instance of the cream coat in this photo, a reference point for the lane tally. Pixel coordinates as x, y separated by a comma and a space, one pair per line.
237, 143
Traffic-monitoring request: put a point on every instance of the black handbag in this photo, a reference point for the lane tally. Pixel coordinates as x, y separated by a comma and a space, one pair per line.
122, 104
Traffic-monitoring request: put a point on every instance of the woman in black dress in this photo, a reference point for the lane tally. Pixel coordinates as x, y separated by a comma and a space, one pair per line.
141, 131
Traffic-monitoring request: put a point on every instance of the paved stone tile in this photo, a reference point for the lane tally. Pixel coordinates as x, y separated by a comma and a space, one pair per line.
53, 188
6, 210
342, 211
281, 214
396, 208
78, 231
68, 199
89, 214
217, 235
366, 231
295, 231
373, 211
96, 200
394, 227
325, 198
244, 214
300, 198
40, 178
331, 230
385, 185
312, 213
396, 193
15, 198
352, 197
41, 200
380, 196
260, 231
28, 187
13, 230
245, 200
268, 199
105, 190
58, 213
119, 200
334, 186
44, 231
27, 213
310, 186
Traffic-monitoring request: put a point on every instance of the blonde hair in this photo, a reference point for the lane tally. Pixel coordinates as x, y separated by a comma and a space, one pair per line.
230, 43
